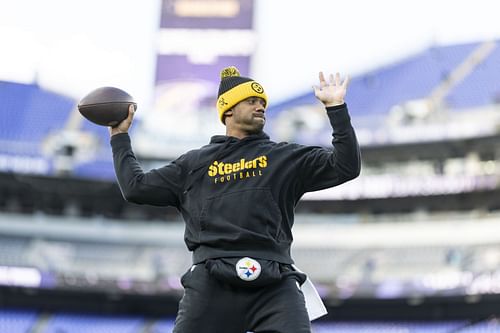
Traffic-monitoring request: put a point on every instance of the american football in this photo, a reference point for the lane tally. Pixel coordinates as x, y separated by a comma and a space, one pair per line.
106, 106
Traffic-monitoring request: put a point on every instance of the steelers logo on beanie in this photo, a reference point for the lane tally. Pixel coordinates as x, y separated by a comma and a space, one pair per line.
234, 88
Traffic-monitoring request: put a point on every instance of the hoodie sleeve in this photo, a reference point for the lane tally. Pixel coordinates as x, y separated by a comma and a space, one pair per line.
319, 167
158, 187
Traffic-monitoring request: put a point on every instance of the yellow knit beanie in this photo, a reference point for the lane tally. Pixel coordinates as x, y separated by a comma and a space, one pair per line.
234, 88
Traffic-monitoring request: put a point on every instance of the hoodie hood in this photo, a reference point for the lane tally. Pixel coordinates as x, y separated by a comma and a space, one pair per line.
225, 138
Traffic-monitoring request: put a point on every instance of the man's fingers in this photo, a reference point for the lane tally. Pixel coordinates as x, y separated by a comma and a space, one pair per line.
334, 80
315, 89
322, 82
131, 111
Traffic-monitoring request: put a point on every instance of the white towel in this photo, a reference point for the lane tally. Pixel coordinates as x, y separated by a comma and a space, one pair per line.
314, 303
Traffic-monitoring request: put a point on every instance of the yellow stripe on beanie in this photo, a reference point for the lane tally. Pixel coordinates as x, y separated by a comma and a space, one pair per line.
234, 88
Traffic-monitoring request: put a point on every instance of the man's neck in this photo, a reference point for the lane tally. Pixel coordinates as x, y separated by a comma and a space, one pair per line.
237, 134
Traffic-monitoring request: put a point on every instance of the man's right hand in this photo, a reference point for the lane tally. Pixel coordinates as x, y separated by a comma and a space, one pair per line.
125, 124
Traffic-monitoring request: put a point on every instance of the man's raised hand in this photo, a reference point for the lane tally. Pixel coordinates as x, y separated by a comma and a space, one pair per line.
331, 93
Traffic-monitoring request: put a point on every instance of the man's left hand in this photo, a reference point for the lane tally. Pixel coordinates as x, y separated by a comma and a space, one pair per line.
331, 93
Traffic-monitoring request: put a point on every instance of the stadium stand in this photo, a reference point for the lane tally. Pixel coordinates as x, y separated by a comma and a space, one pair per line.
12, 249
22, 321
162, 326
487, 326
415, 78
30, 113
41, 132
439, 81
389, 327
17, 321
80, 323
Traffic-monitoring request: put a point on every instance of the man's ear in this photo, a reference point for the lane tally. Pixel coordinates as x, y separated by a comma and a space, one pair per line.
228, 113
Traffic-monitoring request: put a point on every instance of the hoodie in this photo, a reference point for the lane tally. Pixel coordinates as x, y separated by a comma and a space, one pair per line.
238, 196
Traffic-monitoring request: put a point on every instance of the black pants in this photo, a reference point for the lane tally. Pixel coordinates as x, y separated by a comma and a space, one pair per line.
211, 306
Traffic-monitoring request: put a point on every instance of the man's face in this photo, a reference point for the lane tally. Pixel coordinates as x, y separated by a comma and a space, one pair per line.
249, 115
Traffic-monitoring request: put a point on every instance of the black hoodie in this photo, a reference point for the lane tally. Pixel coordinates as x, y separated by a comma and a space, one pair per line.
237, 197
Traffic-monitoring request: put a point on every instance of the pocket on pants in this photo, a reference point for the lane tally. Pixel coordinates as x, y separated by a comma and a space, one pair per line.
288, 271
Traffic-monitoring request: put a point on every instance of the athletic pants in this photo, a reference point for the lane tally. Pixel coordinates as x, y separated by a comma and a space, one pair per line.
211, 306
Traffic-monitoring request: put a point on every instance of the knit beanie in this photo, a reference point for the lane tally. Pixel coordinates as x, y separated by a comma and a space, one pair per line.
234, 88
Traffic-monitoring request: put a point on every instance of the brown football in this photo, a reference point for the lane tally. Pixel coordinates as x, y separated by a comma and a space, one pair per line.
106, 106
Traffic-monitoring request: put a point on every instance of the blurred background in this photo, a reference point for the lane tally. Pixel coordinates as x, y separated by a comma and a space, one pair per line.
412, 245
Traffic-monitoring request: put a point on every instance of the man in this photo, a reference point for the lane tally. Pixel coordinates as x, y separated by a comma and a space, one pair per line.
237, 196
